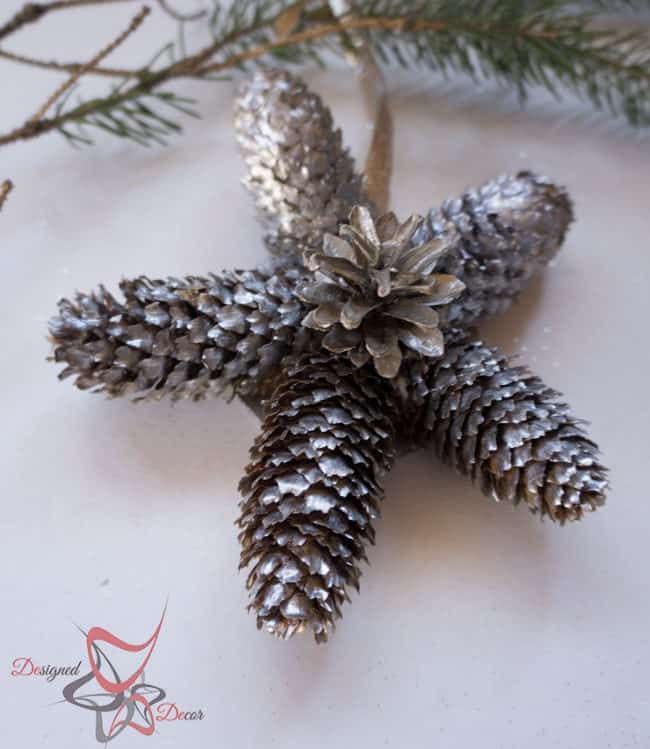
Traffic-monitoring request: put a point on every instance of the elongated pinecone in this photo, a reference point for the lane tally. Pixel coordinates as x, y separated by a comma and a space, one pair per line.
94, 335
500, 425
301, 177
311, 492
506, 231
187, 338
374, 292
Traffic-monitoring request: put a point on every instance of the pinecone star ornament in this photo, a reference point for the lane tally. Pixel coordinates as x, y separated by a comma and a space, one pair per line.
360, 334
376, 292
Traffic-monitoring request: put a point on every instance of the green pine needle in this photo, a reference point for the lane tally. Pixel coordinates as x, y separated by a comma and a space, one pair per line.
149, 119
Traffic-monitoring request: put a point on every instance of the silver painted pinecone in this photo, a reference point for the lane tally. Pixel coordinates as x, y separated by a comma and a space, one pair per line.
301, 177
504, 232
312, 490
502, 426
185, 338
107, 356
374, 293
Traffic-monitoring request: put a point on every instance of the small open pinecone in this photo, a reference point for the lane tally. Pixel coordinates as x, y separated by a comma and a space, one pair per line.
374, 291
186, 338
500, 425
301, 177
312, 490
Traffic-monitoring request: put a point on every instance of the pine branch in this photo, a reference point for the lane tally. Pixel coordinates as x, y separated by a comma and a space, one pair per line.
105, 52
5, 188
34, 124
33, 12
243, 20
543, 43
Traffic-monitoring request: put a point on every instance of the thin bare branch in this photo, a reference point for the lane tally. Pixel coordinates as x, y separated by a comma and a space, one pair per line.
181, 16
32, 12
320, 31
5, 188
147, 82
61, 90
67, 67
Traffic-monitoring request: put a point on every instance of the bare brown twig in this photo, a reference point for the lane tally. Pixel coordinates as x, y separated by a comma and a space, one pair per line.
398, 25
147, 81
181, 16
32, 12
5, 188
63, 88
66, 67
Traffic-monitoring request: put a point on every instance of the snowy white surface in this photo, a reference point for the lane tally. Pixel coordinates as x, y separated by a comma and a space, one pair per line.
476, 625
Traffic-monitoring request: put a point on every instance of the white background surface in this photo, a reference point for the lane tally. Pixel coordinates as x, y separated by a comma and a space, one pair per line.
476, 625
